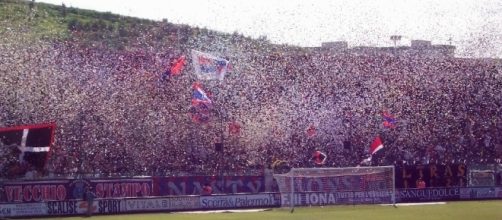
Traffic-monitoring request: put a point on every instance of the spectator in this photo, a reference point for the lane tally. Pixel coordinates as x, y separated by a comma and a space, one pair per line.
89, 198
420, 183
318, 158
207, 190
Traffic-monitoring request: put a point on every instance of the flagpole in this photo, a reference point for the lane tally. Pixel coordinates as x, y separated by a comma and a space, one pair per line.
218, 109
81, 118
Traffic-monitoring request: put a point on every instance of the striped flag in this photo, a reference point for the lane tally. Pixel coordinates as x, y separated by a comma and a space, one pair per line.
208, 66
389, 120
199, 96
201, 104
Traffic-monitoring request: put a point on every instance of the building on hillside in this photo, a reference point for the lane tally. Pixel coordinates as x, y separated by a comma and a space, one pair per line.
418, 48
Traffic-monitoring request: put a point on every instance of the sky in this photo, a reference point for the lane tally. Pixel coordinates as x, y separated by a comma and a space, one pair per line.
474, 26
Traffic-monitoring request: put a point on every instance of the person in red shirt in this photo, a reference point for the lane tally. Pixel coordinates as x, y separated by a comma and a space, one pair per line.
318, 158
420, 183
207, 190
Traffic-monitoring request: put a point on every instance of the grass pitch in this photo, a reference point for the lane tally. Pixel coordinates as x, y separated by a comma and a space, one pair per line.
478, 210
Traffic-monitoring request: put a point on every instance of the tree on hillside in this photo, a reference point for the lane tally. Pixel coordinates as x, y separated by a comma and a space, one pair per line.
63, 10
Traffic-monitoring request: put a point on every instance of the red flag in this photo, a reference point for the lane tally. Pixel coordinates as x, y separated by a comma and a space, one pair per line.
376, 145
178, 66
174, 69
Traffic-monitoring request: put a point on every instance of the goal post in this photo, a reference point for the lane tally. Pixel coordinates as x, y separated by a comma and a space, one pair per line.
333, 186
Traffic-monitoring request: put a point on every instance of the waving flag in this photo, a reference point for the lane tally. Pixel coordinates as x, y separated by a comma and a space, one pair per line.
32, 141
175, 68
208, 66
178, 66
199, 96
376, 145
389, 120
201, 104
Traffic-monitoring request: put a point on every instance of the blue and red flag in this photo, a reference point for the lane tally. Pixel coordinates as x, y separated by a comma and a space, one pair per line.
199, 96
389, 121
208, 66
201, 104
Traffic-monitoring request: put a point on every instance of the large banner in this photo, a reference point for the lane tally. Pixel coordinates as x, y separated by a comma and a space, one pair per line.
36, 191
192, 185
62, 190
434, 175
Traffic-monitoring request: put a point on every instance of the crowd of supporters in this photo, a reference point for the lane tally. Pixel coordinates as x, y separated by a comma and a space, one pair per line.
115, 116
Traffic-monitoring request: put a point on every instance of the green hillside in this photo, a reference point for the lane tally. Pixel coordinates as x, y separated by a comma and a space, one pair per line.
24, 20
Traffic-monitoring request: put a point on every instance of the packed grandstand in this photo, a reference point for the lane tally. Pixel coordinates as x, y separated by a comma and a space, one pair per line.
154, 116
115, 115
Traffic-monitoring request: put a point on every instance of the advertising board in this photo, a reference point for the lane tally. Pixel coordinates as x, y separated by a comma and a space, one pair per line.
23, 209
162, 204
239, 201
428, 194
332, 198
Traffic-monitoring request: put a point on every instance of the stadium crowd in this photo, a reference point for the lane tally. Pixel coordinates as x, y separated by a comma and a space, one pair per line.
115, 116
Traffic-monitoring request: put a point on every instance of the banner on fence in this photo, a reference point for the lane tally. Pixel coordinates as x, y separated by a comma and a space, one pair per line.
434, 175
121, 188
62, 190
192, 185
36, 191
